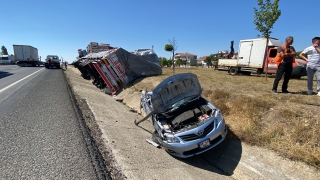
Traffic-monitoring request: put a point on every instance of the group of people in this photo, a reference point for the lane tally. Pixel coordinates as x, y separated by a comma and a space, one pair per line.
286, 57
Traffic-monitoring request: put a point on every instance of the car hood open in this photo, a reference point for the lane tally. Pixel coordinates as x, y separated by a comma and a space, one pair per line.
174, 89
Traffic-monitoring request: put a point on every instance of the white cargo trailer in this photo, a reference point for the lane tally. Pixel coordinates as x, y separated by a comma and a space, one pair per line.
26, 55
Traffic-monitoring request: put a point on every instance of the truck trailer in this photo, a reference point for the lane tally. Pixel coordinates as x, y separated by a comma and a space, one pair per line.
26, 55
255, 57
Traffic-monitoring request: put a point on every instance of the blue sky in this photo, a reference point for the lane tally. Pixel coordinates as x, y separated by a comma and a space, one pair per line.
200, 27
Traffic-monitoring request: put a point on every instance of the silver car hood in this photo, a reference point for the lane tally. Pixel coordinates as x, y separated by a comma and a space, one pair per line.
174, 89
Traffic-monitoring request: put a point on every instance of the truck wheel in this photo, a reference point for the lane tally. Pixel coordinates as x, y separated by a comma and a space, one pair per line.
259, 72
233, 71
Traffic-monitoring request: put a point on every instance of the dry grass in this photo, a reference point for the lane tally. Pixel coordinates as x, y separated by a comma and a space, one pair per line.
283, 122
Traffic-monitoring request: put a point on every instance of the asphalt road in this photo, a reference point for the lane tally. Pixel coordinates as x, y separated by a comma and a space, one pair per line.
41, 133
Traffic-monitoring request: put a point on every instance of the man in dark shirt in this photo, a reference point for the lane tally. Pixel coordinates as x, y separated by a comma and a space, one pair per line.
287, 53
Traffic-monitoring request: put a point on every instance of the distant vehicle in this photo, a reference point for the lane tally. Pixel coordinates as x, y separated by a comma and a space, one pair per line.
255, 57
185, 123
5, 59
52, 61
26, 55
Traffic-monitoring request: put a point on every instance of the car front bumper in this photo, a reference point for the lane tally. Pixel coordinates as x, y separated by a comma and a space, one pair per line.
186, 149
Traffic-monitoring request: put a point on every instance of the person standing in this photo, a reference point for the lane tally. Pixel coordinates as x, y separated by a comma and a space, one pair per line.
285, 58
66, 64
313, 63
49, 63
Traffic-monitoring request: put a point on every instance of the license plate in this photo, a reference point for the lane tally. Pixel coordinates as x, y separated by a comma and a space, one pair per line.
204, 144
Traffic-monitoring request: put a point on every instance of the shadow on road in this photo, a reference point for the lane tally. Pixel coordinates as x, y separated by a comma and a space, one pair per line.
222, 159
5, 74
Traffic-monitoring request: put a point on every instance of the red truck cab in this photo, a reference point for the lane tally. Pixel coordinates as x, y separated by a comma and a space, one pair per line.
299, 67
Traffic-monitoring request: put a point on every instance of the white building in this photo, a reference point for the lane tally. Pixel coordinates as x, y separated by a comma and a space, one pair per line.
190, 59
95, 47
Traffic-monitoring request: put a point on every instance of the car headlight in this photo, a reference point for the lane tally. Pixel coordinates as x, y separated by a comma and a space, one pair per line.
171, 138
218, 116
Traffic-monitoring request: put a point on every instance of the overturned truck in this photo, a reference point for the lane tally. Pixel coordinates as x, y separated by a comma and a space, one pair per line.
117, 68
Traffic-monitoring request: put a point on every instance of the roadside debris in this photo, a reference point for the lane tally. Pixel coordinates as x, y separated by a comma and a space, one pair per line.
133, 110
153, 143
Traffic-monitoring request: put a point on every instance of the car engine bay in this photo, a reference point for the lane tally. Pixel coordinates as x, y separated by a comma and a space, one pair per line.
184, 118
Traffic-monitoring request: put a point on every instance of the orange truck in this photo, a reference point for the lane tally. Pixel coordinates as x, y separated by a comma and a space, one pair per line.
253, 57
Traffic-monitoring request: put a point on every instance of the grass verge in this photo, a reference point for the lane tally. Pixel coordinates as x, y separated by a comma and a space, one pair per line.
282, 122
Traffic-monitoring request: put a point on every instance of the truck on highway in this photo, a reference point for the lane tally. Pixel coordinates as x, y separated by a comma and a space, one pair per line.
255, 57
26, 55
52, 61
6, 59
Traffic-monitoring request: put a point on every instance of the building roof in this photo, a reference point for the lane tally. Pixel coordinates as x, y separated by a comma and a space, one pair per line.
185, 54
202, 58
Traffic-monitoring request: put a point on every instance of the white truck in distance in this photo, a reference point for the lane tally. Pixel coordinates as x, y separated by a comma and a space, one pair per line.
26, 55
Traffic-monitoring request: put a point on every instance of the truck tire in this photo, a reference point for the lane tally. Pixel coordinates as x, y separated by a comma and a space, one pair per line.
259, 72
233, 71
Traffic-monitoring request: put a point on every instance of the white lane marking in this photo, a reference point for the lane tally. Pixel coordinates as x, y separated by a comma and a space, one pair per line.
20, 80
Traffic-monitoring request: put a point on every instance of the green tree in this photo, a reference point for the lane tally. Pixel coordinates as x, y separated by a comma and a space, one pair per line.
171, 47
298, 53
264, 18
4, 50
178, 62
169, 62
164, 62
208, 61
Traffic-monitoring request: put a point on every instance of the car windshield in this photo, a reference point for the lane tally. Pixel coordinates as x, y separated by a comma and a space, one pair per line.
53, 57
183, 101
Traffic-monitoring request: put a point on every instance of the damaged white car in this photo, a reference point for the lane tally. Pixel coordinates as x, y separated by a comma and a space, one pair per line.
185, 123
